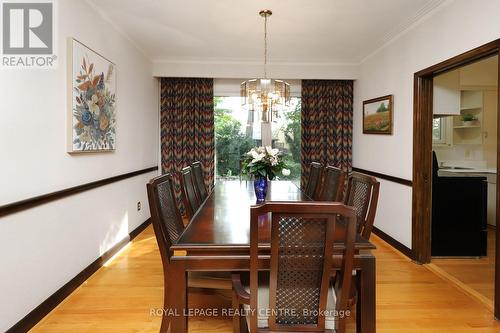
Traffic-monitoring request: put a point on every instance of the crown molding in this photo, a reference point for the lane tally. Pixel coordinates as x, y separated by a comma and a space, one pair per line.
413, 21
120, 31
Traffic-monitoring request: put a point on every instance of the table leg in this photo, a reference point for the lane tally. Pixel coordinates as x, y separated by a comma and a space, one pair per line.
366, 303
178, 321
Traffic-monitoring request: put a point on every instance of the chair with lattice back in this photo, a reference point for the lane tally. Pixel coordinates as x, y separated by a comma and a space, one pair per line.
362, 194
297, 293
332, 187
314, 179
167, 224
189, 194
199, 180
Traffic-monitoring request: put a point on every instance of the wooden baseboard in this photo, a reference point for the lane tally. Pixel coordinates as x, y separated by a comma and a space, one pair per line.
394, 243
38, 313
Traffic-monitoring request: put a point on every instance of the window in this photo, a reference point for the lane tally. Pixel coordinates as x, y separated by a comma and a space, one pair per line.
237, 130
440, 130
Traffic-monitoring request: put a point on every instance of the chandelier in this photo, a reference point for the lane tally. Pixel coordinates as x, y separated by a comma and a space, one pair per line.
266, 96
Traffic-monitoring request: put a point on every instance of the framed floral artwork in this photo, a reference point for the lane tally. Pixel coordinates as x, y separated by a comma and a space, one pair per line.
92, 99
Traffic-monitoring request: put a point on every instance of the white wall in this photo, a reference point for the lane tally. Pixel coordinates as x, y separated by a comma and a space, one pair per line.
453, 28
244, 70
44, 247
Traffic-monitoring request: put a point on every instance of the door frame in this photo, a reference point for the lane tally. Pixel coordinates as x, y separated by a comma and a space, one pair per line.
422, 155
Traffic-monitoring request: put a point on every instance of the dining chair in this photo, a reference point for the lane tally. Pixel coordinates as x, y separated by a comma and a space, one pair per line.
362, 194
332, 186
298, 292
314, 179
189, 196
199, 180
167, 225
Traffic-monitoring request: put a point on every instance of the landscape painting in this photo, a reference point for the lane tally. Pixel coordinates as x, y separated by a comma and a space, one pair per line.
377, 115
92, 118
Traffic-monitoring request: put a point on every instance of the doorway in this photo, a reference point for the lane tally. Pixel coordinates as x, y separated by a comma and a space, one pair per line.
422, 156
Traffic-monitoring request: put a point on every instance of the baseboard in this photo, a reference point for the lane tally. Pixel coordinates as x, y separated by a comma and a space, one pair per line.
394, 243
38, 313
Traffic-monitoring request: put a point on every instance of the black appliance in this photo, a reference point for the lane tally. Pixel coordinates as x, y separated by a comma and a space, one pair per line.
458, 215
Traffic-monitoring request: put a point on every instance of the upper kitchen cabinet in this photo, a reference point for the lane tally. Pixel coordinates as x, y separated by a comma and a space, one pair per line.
470, 100
468, 127
446, 95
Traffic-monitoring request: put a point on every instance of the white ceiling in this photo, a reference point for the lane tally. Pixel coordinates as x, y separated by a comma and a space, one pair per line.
300, 31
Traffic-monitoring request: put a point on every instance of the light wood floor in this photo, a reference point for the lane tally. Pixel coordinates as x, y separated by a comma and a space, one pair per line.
476, 274
118, 298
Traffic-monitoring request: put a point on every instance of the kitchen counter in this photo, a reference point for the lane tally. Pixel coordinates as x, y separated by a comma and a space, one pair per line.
461, 170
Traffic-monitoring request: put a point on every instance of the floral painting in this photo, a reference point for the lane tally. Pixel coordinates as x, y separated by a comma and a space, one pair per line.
93, 105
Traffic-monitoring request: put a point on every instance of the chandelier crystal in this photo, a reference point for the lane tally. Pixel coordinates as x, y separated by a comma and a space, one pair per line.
267, 96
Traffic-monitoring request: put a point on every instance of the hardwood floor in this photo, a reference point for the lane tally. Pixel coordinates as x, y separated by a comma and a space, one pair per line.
118, 298
478, 275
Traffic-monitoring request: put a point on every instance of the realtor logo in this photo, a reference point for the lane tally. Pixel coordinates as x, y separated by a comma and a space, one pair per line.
28, 34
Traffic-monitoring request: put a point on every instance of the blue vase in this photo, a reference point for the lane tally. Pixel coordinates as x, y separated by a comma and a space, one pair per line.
260, 187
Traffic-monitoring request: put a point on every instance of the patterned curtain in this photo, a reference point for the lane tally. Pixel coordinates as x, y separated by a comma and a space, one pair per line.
326, 124
187, 127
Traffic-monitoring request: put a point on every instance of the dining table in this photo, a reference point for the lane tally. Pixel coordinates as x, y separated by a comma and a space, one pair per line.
218, 239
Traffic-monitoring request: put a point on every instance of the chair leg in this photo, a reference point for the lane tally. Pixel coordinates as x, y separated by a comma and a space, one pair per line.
167, 304
236, 318
165, 319
341, 325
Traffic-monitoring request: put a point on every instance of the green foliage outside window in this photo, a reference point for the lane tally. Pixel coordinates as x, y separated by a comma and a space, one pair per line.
292, 132
230, 143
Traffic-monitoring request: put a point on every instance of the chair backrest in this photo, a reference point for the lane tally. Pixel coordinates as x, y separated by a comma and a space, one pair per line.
165, 216
332, 187
199, 180
190, 197
362, 194
302, 241
314, 179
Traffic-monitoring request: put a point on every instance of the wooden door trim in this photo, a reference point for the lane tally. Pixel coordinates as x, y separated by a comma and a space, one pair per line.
422, 155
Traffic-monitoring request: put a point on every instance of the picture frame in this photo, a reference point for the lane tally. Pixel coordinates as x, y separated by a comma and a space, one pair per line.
91, 120
378, 115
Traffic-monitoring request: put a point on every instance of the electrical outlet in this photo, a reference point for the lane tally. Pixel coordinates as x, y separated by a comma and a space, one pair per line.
138, 205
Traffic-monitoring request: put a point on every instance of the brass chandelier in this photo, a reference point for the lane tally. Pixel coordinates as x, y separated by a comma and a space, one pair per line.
265, 95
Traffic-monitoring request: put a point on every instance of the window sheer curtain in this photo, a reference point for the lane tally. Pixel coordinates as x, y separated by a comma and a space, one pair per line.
187, 127
327, 109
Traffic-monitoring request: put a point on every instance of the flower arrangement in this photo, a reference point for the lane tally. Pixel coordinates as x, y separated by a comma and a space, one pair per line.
94, 110
263, 162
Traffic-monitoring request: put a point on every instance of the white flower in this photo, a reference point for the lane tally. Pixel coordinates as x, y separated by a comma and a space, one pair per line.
261, 150
94, 108
256, 156
274, 160
285, 172
271, 151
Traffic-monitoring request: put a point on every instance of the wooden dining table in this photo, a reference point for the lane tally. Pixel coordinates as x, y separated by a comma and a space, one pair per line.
218, 239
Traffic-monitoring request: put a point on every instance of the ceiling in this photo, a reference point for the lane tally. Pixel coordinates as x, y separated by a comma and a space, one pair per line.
300, 31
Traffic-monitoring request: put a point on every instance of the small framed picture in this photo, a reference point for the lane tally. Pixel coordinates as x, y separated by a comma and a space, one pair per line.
377, 115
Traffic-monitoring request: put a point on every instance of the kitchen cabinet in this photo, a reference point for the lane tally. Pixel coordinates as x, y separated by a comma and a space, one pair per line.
446, 94
469, 132
491, 179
